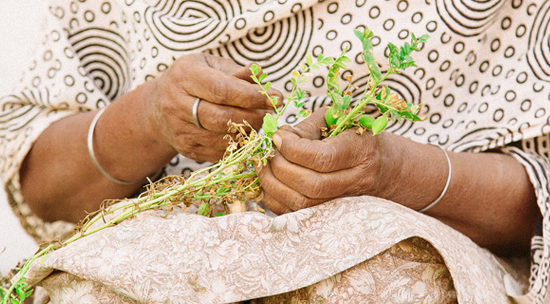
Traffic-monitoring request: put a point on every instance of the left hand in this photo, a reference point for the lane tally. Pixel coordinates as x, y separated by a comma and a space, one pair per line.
307, 171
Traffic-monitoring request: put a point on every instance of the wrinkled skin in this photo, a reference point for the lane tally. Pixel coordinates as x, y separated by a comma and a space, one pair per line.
307, 171
152, 123
489, 198
227, 93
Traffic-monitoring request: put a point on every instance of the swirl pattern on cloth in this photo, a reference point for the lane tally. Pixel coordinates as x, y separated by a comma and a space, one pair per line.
538, 55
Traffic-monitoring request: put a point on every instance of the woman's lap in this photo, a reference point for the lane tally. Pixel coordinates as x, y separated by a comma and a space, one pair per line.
357, 248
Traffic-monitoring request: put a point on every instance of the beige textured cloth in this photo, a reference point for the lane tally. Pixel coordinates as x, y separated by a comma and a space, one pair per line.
381, 257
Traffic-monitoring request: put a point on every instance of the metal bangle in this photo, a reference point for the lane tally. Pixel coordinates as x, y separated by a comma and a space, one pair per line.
447, 184
92, 154
196, 113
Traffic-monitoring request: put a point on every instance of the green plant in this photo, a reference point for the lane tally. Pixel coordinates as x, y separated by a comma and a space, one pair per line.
340, 116
233, 179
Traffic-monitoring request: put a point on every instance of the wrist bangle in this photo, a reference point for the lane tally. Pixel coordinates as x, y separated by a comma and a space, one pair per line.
429, 206
92, 154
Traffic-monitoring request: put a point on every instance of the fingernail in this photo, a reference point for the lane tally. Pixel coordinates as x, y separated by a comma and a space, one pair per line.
277, 140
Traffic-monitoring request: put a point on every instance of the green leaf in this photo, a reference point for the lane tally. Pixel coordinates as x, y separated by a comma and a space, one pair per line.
346, 101
368, 33
309, 60
221, 191
395, 115
314, 66
360, 35
394, 58
28, 293
341, 65
392, 47
330, 118
379, 125
372, 65
262, 77
269, 125
424, 38
298, 104
204, 209
410, 115
366, 121
300, 93
338, 103
407, 48
220, 214
407, 65
255, 69
382, 108
379, 95
267, 85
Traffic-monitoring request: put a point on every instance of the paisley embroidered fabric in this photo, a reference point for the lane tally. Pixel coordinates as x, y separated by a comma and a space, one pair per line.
251, 256
483, 77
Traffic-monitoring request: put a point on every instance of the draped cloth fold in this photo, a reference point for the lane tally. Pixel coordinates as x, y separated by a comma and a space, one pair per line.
328, 251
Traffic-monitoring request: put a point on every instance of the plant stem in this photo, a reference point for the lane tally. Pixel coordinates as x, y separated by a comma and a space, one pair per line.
25, 269
147, 202
363, 102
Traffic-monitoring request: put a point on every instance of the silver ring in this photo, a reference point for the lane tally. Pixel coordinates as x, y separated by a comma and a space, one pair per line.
196, 113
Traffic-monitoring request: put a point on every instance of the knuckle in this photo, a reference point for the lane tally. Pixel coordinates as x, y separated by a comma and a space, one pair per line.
314, 187
209, 59
324, 159
223, 116
273, 205
166, 106
185, 144
300, 203
186, 148
220, 91
368, 180
279, 167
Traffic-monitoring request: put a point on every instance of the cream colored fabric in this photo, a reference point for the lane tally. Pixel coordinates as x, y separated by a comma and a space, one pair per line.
379, 257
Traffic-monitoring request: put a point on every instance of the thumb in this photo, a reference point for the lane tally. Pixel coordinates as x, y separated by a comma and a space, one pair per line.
309, 128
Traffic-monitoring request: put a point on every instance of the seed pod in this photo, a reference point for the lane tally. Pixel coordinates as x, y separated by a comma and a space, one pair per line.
250, 195
399, 104
238, 207
204, 209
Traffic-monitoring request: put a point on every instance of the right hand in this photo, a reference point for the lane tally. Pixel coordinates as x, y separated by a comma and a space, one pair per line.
227, 93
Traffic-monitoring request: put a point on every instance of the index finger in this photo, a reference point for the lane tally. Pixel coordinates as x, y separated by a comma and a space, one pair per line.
229, 67
218, 87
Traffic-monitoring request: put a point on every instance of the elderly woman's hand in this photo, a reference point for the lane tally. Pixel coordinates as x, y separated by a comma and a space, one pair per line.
138, 134
307, 171
489, 199
226, 92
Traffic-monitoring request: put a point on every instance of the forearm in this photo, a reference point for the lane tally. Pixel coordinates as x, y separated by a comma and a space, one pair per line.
58, 178
490, 198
